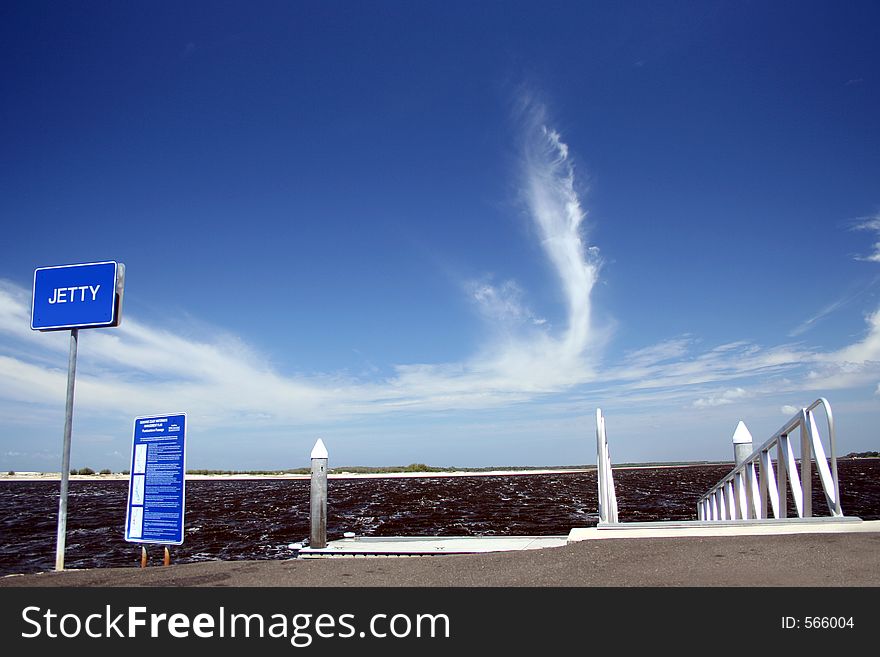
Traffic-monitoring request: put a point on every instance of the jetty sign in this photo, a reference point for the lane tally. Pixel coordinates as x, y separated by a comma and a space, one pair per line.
87, 295
156, 492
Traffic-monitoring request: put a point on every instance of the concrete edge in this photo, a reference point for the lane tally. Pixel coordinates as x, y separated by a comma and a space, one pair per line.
732, 528
430, 545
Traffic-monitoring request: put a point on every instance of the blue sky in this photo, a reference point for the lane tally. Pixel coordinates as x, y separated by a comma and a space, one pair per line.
443, 232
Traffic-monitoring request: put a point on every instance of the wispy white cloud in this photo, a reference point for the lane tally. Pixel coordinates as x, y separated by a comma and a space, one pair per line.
870, 224
503, 304
658, 353
529, 356
722, 399
222, 379
865, 350
557, 212
809, 323
854, 292
677, 364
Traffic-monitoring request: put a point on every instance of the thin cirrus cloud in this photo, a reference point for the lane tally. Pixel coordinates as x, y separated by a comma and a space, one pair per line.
854, 293
727, 397
223, 380
870, 224
528, 355
808, 324
865, 224
503, 304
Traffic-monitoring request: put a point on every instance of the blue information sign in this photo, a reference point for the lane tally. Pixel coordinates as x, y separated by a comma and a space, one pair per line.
77, 296
156, 492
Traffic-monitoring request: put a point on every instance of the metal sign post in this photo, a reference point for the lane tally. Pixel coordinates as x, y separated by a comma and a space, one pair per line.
71, 297
65, 453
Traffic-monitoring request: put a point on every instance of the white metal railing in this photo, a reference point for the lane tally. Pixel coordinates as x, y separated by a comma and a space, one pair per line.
744, 493
607, 497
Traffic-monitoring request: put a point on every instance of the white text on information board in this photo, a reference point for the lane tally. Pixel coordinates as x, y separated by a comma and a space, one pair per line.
156, 490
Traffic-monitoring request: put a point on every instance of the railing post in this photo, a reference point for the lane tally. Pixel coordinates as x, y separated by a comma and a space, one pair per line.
828, 478
763, 482
781, 478
794, 481
731, 500
772, 481
806, 468
752, 492
832, 441
737, 488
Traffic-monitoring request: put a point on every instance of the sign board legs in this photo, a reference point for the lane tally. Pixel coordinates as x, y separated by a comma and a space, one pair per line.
65, 453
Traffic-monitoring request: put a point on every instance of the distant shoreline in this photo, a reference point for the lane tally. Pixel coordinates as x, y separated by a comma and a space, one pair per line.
342, 474
56, 476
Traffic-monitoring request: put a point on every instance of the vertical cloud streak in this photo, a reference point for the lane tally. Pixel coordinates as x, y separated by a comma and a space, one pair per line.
557, 212
225, 381
529, 354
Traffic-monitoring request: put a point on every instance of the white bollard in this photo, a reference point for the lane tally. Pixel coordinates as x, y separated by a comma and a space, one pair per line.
742, 443
318, 530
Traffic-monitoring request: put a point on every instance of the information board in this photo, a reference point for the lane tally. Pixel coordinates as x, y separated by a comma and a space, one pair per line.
156, 491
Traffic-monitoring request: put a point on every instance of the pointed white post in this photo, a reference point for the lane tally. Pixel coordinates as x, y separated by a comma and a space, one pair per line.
318, 530
742, 442
742, 448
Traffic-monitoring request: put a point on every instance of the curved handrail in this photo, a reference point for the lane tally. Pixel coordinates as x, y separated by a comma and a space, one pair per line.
832, 444
740, 493
605, 479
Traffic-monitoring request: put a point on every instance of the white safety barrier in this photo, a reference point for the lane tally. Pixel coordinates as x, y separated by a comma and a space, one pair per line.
744, 493
607, 497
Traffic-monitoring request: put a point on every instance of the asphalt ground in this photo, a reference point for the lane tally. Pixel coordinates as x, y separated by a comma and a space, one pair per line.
810, 560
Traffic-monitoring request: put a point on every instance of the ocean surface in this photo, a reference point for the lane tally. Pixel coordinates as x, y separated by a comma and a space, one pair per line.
258, 519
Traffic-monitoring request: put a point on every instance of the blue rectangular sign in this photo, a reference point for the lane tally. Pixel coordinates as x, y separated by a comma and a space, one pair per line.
76, 296
156, 493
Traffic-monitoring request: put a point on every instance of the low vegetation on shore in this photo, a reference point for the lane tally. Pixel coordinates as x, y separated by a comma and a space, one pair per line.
422, 467
385, 469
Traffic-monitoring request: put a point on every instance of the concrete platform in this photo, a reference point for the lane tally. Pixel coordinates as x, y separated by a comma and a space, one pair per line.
429, 545
802, 560
404, 546
770, 527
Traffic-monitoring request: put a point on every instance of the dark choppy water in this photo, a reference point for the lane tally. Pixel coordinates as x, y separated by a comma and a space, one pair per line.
257, 519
